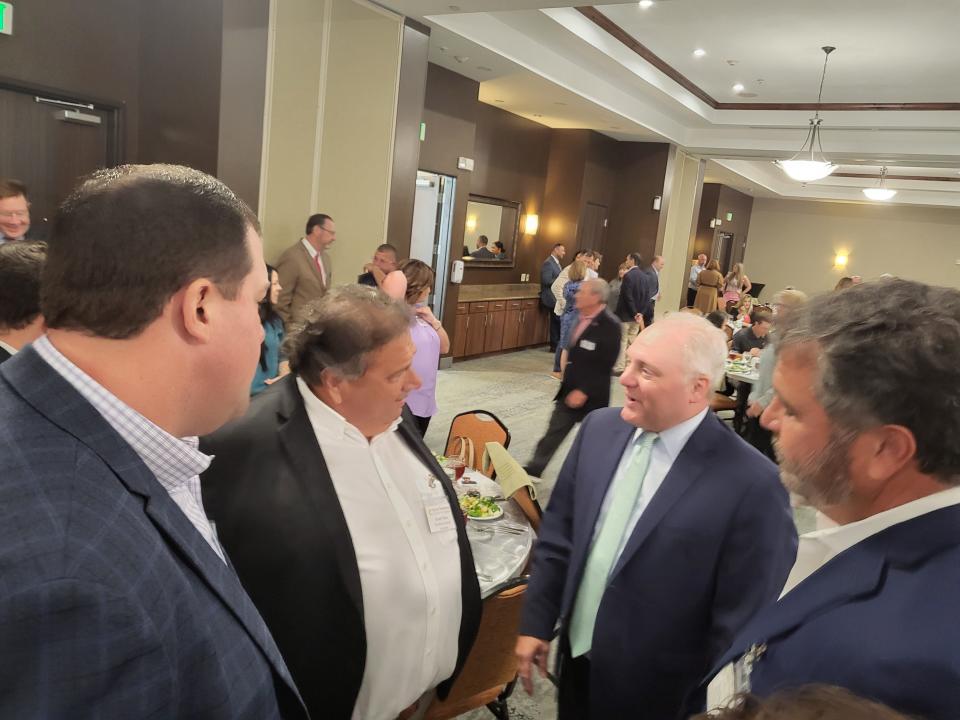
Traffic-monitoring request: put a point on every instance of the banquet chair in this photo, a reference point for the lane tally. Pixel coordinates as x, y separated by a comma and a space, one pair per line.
490, 671
469, 434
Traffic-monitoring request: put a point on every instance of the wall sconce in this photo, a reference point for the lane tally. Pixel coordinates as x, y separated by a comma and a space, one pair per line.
656, 202
840, 261
532, 224
471, 223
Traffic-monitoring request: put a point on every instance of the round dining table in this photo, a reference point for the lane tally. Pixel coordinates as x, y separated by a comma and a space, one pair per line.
501, 547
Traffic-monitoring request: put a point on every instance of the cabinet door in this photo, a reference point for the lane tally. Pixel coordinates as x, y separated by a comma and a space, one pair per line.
493, 339
476, 323
528, 323
511, 327
459, 347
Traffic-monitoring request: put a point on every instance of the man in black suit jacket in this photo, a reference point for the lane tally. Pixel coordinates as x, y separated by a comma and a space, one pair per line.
341, 525
20, 319
593, 349
652, 276
548, 273
483, 252
632, 306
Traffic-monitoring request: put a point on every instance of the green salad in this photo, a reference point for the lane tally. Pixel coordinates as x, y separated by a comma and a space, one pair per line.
479, 507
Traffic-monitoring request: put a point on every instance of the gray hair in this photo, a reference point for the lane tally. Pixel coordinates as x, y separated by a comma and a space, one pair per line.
341, 329
599, 287
889, 354
704, 347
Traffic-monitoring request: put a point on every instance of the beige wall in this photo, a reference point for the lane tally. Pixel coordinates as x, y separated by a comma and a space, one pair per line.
795, 242
356, 148
294, 54
333, 69
680, 223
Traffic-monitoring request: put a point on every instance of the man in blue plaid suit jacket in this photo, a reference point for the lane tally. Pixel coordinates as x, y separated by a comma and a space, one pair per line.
116, 599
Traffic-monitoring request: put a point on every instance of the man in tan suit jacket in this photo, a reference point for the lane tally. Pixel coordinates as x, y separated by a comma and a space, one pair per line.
305, 269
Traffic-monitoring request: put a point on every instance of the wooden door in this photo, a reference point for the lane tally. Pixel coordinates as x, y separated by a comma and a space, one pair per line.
493, 333
476, 327
511, 325
49, 150
592, 228
459, 345
528, 323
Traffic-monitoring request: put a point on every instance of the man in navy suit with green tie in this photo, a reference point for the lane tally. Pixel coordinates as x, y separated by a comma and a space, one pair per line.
664, 535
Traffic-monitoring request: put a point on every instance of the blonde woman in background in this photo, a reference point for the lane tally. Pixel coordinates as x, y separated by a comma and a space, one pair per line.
735, 284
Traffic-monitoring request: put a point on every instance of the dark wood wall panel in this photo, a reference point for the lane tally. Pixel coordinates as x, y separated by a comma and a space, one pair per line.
564, 187
180, 53
159, 61
709, 199
406, 142
511, 155
82, 48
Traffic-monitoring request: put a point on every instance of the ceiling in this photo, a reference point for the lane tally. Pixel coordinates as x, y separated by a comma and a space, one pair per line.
550, 62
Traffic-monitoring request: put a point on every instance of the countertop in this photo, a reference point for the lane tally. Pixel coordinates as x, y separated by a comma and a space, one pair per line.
478, 293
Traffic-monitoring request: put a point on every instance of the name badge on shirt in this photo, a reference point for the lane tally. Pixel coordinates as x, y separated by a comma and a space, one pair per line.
439, 515
588, 345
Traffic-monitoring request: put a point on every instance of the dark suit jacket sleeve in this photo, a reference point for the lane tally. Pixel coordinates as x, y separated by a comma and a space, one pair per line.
76, 648
758, 555
551, 557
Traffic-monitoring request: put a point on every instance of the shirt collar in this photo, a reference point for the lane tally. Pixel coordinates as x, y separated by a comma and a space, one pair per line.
674, 439
310, 248
841, 537
173, 461
328, 423
9, 348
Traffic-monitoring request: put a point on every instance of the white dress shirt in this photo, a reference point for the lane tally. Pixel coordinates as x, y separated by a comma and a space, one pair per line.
409, 576
663, 454
317, 258
9, 348
817, 548
176, 463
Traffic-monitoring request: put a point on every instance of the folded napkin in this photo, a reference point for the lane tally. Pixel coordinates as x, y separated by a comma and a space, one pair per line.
510, 474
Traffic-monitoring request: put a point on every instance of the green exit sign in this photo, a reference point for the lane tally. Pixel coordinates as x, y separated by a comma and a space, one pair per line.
6, 18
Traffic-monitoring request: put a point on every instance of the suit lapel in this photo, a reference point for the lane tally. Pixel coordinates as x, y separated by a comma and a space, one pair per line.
855, 573
601, 477
310, 472
53, 397
686, 469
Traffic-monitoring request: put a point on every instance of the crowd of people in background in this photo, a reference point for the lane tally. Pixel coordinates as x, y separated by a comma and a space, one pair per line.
170, 548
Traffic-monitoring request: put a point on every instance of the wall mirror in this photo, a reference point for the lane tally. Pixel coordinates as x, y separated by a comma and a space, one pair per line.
491, 233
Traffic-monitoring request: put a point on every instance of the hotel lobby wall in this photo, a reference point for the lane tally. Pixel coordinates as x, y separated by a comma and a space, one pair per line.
323, 150
119, 52
795, 242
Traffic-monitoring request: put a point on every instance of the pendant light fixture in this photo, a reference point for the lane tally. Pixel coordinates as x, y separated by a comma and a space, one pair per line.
880, 192
806, 166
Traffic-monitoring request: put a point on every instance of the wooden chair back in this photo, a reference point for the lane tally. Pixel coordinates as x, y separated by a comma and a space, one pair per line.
491, 666
480, 427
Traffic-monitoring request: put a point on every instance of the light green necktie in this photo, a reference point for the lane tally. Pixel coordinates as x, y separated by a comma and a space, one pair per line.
603, 553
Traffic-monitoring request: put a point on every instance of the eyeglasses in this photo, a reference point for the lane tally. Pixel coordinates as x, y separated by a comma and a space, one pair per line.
20, 214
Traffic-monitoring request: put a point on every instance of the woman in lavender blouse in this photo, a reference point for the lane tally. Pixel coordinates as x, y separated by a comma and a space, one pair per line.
430, 339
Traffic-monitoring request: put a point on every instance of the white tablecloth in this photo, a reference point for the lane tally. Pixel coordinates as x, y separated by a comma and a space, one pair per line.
498, 555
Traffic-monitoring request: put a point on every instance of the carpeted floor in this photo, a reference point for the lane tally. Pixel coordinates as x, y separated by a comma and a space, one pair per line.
518, 389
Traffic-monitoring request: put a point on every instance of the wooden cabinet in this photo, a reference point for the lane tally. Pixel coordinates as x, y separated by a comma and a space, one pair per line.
493, 328
490, 326
528, 322
459, 345
511, 325
476, 327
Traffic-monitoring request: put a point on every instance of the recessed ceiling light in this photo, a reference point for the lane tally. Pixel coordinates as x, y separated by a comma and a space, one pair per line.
699, 52
644, 4
460, 58
537, 115
499, 101
738, 88
484, 68
455, 8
